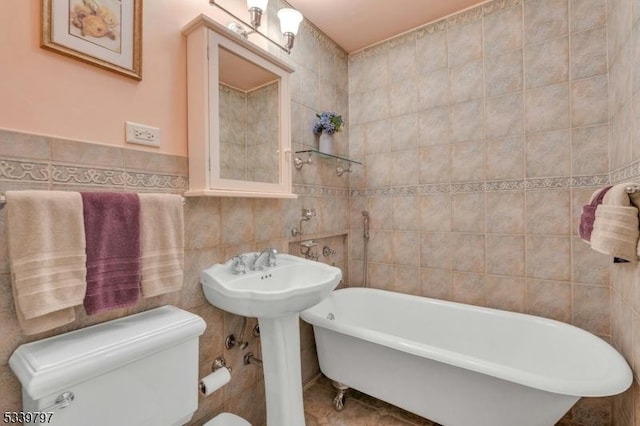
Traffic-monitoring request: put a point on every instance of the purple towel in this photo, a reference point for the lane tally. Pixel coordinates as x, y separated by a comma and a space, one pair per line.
112, 230
588, 215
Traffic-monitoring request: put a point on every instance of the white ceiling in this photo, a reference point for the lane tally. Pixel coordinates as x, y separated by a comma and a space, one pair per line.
356, 24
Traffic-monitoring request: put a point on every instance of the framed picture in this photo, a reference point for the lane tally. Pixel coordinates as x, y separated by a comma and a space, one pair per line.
106, 33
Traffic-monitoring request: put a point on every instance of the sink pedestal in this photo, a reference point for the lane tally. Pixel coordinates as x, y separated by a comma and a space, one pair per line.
275, 295
280, 337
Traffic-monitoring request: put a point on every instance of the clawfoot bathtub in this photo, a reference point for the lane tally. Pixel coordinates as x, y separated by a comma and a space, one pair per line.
461, 365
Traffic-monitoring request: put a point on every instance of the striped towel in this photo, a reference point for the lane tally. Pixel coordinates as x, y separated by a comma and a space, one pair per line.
616, 227
46, 256
112, 229
162, 243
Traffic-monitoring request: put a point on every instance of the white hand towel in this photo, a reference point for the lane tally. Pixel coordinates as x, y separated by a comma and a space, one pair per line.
161, 243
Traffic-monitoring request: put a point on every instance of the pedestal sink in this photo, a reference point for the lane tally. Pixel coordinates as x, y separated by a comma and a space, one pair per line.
275, 295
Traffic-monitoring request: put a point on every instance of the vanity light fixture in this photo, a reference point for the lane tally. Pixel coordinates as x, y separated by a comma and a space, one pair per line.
289, 23
290, 20
256, 7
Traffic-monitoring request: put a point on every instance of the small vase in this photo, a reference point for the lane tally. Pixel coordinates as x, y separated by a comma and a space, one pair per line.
326, 143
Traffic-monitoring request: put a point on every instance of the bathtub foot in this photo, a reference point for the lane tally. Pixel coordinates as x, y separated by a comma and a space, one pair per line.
338, 401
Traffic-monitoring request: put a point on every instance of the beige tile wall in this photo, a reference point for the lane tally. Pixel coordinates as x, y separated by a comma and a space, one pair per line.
623, 47
482, 136
511, 100
216, 228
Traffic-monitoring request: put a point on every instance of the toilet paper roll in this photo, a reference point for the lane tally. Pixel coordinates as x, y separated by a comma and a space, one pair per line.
214, 381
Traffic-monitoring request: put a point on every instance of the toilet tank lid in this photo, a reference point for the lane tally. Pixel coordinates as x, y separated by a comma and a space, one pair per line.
55, 363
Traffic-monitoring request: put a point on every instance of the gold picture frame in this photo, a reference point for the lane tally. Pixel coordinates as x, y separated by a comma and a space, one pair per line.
106, 33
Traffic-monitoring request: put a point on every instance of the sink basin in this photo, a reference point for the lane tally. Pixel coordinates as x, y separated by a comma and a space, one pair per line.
276, 296
292, 286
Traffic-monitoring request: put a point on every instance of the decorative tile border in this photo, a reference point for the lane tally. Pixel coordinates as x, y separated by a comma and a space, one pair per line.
144, 180
320, 191
465, 17
632, 171
488, 186
547, 183
74, 175
468, 187
435, 188
432, 28
402, 39
323, 39
498, 5
460, 18
505, 185
64, 174
24, 171
596, 180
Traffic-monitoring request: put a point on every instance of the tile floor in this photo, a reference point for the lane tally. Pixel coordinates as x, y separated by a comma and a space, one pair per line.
360, 409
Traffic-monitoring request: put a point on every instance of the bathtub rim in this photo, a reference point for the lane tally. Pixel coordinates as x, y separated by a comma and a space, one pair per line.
617, 379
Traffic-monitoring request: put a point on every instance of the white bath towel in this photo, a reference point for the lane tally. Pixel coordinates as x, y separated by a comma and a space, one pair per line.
46, 256
161, 243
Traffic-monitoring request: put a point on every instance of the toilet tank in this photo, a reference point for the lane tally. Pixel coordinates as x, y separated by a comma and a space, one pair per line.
132, 371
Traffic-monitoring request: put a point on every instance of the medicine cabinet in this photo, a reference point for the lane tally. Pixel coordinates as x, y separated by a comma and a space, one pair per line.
238, 102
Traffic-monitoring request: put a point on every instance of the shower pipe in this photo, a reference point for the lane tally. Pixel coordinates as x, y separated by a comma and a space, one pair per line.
365, 235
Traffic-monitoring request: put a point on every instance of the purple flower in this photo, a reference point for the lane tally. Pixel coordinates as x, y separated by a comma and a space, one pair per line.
329, 122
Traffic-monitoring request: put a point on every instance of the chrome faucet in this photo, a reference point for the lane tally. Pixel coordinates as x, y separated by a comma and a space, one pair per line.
267, 257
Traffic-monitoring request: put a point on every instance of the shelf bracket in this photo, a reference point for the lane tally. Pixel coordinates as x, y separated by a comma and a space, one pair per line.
341, 170
298, 163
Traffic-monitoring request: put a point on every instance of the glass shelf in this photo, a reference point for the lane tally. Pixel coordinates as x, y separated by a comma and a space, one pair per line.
339, 169
322, 154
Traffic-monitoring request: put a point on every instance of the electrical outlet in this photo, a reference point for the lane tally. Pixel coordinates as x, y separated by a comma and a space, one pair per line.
142, 135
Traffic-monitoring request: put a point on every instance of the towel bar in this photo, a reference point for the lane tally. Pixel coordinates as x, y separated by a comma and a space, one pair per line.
3, 200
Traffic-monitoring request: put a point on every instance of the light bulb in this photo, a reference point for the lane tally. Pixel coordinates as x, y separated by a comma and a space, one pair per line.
257, 4
289, 20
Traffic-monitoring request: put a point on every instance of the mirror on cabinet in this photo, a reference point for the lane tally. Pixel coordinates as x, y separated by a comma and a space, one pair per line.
238, 113
248, 100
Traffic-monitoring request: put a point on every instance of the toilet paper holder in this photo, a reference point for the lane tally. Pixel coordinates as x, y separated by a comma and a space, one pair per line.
216, 379
219, 363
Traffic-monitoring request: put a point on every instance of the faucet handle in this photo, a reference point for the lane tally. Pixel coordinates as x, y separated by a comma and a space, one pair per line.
238, 267
271, 259
307, 213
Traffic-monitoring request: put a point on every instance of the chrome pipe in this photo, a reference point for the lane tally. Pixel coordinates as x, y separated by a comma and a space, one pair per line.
250, 358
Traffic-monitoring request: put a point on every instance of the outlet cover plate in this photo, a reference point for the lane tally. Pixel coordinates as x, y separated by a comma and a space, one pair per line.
142, 135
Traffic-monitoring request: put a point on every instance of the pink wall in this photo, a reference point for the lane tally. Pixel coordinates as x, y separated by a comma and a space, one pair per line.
47, 93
